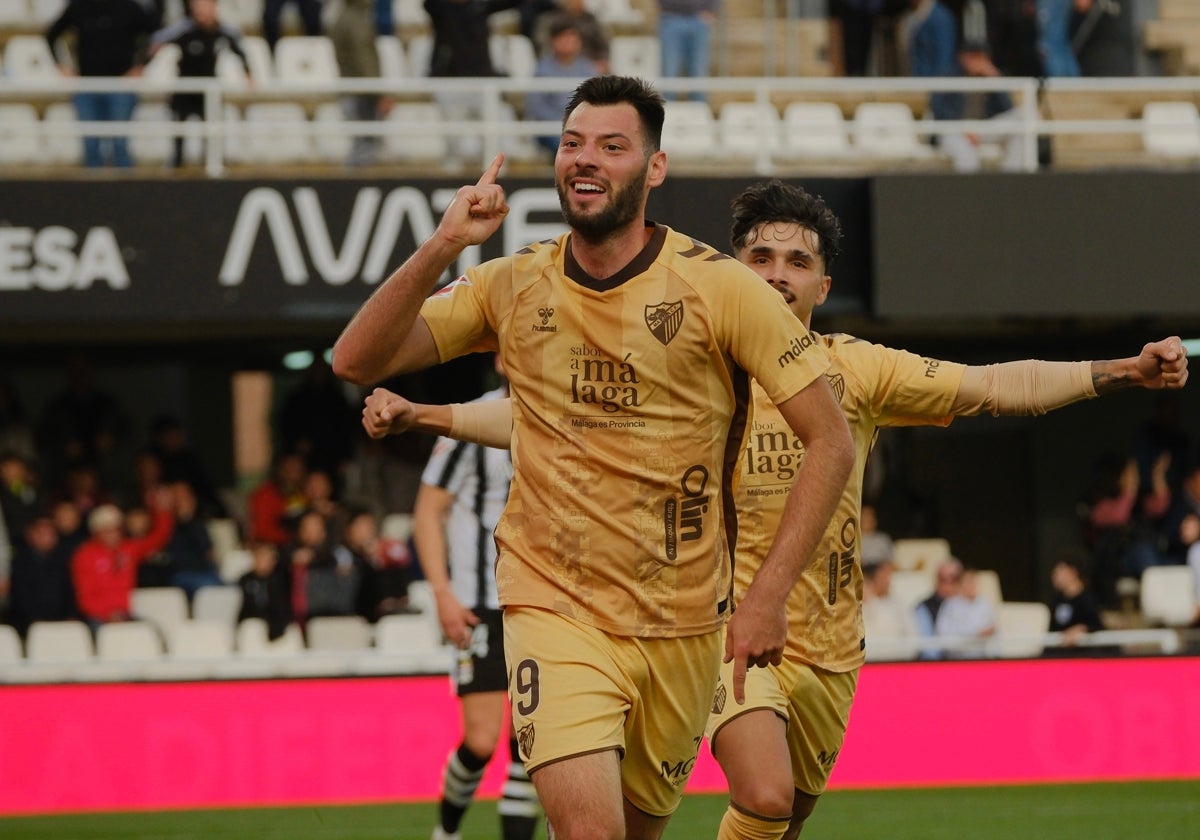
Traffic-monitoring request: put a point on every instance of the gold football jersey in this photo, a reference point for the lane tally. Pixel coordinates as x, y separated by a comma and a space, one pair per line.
876, 387
630, 401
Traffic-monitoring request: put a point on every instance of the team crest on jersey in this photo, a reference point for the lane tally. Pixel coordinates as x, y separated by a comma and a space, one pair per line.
838, 383
664, 320
525, 741
452, 285
719, 700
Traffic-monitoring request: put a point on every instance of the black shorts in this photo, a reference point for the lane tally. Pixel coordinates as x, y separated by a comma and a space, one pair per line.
480, 667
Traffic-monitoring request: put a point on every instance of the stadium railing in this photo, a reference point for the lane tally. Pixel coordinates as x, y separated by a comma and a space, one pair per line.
494, 130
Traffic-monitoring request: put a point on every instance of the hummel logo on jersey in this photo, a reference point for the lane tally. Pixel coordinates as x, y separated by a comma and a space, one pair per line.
664, 320
545, 313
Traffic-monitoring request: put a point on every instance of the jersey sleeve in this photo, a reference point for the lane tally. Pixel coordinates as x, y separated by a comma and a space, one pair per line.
459, 316
902, 388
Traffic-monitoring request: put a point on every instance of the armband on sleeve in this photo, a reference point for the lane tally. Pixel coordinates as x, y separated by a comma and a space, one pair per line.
488, 423
1029, 387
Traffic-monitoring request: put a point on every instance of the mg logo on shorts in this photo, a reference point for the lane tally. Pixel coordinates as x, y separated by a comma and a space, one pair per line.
677, 773
525, 741
664, 319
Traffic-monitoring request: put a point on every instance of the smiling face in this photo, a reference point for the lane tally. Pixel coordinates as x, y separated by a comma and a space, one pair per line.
788, 256
604, 171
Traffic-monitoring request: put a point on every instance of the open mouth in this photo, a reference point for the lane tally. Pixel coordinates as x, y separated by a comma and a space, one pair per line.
587, 188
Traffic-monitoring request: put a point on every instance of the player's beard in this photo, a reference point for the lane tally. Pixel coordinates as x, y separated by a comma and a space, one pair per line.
624, 206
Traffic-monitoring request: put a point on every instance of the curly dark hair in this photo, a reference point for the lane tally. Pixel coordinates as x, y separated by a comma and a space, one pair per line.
775, 201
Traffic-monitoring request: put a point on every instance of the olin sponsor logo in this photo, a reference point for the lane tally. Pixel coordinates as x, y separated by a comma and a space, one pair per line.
683, 518
796, 348
372, 235
56, 259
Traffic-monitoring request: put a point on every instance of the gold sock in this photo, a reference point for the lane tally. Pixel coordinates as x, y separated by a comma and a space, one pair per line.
739, 825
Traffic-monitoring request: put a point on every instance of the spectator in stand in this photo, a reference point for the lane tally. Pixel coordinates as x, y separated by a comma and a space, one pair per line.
563, 60
181, 462
353, 33
83, 423
190, 557
68, 522
1181, 525
109, 36
1124, 524
946, 585
16, 434
19, 497
320, 586
317, 421
319, 496
460, 48
310, 18
41, 577
84, 487
265, 592
877, 545
595, 37
856, 32
277, 500
361, 549
885, 619
104, 568
147, 477
1054, 35
1074, 610
941, 43
201, 38
685, 37
966, 616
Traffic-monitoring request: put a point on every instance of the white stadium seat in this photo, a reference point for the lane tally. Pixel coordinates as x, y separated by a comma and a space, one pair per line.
345, 633
747, 129
1020, 629
1171, 129
888, 130
58, 642
306, 60
20, 135
689, 130
165, 607
1168, 595
217, 603
815, 129
28, 58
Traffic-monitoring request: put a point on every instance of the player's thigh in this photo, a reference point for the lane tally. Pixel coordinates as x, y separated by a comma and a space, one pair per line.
749, 741
582, 794
675, 681
819, 710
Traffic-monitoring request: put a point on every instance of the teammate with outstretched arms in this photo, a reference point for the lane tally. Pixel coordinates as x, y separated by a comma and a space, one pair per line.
629, 349
778, 748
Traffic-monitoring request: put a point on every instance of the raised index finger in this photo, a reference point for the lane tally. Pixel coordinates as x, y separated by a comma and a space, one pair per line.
493, 171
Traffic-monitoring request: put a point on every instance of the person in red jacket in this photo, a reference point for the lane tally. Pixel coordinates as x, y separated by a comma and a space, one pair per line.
104, 568
276, 503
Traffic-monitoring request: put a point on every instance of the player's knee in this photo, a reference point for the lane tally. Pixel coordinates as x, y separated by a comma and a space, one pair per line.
587, 830
766, 800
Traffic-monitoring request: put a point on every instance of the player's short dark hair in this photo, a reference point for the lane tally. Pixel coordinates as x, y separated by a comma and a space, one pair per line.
775, 201
624, 90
